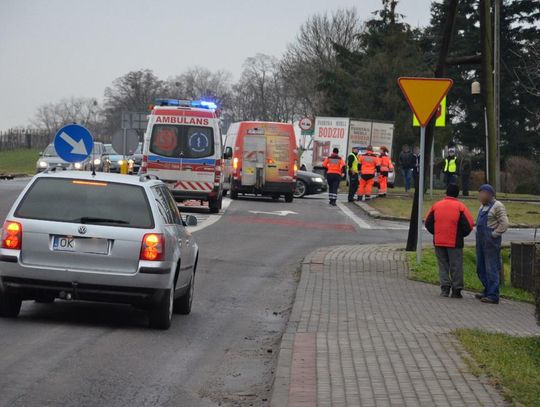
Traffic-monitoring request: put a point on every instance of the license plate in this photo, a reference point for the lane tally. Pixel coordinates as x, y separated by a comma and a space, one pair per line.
80, 245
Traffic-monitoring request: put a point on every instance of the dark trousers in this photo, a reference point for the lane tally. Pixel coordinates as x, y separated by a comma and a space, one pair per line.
450, 267
451, 178
353, 186
465, 184
333, 186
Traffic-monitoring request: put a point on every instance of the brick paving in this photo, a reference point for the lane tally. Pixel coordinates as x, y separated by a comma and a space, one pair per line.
362, 334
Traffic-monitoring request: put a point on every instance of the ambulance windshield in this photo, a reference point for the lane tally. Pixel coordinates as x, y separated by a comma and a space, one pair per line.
182, 141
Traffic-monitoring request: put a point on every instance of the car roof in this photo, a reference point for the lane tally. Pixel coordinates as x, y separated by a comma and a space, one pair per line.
101, 176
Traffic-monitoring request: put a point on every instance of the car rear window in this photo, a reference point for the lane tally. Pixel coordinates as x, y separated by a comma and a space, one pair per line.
86, 201
182, 141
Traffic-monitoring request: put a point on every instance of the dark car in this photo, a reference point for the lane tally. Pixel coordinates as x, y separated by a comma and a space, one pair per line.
309, 183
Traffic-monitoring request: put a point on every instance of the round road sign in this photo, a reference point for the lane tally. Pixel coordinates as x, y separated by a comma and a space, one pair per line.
306, 123
129, 146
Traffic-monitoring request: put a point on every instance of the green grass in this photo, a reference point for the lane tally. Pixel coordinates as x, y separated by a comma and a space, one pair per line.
518, 212
18, 161
511, 363
427, 271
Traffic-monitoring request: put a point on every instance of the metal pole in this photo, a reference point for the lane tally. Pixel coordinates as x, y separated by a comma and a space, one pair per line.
487, 144
497, 85
431, 165
421, 194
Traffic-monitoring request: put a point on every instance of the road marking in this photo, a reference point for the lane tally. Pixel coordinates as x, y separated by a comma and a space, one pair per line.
361, 223
211, 219
292, 223
277, 213
77, 147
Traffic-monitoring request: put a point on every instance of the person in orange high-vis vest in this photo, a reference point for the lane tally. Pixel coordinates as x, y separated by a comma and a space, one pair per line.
369, 165
386, 168
335, 170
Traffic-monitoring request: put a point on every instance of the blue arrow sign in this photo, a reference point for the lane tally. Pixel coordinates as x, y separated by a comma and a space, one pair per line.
73, 143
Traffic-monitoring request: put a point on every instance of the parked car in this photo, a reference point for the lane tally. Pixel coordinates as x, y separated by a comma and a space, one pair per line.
67, 237
309, 183
112, 160
135, 161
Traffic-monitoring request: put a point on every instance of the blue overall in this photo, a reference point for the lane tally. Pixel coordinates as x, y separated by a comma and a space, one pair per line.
488, 256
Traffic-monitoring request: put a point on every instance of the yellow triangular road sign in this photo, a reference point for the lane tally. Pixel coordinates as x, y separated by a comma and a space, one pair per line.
424, 95
440, 116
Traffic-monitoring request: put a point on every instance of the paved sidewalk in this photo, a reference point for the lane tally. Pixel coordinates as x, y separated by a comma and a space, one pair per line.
362, 334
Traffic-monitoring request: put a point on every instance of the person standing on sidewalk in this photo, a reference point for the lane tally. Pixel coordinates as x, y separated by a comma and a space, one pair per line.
451, 167
386, 168
406, 161
369, 165
335, 170
352, 172
449, 221
492, 222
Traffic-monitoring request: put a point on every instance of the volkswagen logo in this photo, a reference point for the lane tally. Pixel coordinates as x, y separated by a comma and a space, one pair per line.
82, 230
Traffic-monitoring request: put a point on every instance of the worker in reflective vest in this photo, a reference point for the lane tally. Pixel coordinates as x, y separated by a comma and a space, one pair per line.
369, 166
335, 170
450, 167
352, 172
386, 168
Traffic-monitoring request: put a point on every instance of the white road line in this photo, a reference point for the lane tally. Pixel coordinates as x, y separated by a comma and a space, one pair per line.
361, 223
211, 219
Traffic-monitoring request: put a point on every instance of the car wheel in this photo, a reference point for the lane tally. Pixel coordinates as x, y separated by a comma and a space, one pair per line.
10, 305
275, 197
234, 194
301, 189
289, 197
214, 206
161, 312
182, 305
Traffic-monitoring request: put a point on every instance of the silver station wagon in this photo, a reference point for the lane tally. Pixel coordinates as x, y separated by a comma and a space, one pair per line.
103, 237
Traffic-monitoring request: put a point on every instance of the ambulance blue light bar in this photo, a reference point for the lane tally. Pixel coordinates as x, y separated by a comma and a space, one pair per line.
203, 104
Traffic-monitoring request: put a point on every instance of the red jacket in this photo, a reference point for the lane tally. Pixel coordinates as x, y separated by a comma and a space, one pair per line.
334, 165
449, 221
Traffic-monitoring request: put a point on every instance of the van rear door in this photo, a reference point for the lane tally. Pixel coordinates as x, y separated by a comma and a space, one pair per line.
183, 156
253, 160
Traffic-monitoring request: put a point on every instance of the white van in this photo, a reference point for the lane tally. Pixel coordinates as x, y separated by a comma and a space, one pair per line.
182, 147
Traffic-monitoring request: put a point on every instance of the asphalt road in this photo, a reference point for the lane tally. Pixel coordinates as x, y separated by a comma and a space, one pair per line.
86, 354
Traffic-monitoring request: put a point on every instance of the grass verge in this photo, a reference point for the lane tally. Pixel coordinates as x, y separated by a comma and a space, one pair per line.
518, 212
427, 271
18, 161
511, 363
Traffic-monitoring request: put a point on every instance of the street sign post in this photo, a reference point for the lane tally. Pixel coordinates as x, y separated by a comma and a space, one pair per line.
424, 95
73, 143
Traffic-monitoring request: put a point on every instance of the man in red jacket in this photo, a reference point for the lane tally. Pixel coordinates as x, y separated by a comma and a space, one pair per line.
449, 221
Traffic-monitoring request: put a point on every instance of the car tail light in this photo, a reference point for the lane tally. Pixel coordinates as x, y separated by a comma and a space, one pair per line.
12, 236
235, 163
217, 173
152, 247
144, 165
295, 171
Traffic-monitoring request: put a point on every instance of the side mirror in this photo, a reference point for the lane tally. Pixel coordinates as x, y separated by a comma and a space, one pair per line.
227, 155
41, 153
191, 220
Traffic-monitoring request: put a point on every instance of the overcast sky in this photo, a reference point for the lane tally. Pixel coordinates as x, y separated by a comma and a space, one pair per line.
61, 48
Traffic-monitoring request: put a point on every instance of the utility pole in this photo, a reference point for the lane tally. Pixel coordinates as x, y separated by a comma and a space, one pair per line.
486, 28
497, 85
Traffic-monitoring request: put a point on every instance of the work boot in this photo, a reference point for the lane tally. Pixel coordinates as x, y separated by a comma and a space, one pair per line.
445, 291
488, 300
456, 293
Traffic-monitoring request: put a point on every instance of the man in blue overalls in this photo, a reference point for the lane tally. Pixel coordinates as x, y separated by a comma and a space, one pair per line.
492, 222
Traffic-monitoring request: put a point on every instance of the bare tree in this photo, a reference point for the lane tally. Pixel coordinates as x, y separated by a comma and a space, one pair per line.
314, 51
85, 111
201, 83
261, 94
132, 92
528, 71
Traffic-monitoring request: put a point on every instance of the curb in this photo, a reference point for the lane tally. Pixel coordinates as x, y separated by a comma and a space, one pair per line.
374, 213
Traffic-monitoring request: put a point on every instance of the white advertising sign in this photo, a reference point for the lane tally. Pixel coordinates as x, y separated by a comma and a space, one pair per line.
382, 135
330, 133
359, 134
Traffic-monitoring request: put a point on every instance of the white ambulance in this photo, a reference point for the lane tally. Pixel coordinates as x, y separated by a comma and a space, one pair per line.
182, 147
